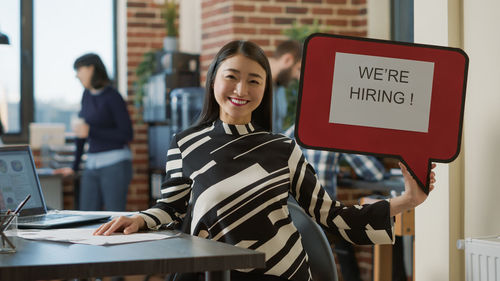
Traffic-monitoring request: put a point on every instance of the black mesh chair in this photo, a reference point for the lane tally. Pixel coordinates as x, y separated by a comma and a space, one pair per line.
316, 245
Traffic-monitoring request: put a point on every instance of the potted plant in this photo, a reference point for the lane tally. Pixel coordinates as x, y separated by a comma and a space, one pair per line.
170, 15
143, 71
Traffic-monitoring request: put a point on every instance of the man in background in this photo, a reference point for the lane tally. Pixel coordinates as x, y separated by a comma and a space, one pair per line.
285, 66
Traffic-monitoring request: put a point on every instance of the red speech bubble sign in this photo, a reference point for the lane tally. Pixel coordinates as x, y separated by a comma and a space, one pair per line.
385, 98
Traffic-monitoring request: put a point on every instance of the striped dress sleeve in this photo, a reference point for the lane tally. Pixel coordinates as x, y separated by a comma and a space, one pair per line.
175, 193
367, 224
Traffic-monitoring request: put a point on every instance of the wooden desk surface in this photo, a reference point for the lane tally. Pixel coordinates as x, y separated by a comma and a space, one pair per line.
38, 260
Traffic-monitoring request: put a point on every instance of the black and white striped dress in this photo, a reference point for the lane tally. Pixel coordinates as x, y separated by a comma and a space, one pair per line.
237, 179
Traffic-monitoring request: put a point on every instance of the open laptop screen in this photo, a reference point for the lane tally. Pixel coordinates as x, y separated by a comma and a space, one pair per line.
17, 179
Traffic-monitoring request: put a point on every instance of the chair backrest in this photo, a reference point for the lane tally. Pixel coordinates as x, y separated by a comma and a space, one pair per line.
321, 260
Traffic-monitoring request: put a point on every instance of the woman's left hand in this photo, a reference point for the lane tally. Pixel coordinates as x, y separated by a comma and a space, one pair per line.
413, 195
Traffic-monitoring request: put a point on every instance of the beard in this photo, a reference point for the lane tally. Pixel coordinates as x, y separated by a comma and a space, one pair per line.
284, 77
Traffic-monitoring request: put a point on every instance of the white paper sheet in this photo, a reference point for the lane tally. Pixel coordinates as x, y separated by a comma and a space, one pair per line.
109, 213
84, 236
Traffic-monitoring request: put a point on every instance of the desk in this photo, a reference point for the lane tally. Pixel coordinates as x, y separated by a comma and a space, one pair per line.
37, 260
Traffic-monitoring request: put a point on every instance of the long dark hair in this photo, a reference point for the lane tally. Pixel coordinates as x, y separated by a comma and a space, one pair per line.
262, 115
100, 76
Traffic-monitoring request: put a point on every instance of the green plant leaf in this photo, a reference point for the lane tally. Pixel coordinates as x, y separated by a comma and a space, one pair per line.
170, 15
143, 71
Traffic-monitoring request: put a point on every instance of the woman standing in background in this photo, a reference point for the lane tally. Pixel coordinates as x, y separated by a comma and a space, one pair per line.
105, 123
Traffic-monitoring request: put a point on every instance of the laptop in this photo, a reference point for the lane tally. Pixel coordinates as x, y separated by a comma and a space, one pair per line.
18, 178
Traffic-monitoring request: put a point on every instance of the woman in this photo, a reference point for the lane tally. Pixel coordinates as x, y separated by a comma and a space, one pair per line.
230, 178
105, 123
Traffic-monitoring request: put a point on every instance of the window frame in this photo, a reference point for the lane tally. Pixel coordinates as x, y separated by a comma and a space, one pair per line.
27, 99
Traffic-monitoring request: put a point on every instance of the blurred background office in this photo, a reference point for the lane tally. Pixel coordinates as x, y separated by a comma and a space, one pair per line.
465, 195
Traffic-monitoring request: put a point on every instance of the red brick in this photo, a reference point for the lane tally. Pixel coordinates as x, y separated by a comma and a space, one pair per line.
312, 1
243, 8
336, 22
358, 2
351, 12
218, 11
142, 191
259, 20
139, 181
217, 33
238, 19
140, 34
336, 1
218, 22
137, 44
308, 21
357, 23
296, 10
211, 46
145, 15
157, 45
322, 11
135, 4
157, 25
136, 24
271, 9
270, 31
245, 30
208, 4
280, 20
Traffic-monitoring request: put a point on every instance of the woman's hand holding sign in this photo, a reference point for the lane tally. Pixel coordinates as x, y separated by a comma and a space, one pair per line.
413, 195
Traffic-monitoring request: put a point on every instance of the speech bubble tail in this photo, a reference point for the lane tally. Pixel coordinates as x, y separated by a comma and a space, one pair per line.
420, 170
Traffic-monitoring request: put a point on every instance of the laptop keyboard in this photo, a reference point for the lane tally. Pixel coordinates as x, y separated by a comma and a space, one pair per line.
43, 218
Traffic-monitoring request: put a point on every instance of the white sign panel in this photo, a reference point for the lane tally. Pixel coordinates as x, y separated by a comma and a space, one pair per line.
381, 92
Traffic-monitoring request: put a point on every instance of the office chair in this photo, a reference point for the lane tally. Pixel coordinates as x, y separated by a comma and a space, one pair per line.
317, 247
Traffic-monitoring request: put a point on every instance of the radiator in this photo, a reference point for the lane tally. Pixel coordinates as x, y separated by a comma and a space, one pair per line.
482, 258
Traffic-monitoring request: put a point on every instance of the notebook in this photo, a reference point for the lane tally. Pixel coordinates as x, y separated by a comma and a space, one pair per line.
18, 178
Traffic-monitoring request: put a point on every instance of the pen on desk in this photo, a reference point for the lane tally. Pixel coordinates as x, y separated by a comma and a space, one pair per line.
16, 212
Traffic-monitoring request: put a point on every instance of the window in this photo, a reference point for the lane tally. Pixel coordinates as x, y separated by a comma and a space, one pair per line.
46, 36
402, 20
10, 66
63, 31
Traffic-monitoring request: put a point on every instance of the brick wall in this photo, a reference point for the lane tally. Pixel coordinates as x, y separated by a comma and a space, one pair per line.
145, 32
263, 21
